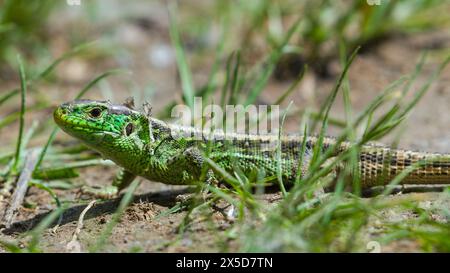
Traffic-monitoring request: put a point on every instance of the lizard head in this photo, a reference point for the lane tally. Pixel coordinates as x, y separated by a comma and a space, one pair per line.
107, 128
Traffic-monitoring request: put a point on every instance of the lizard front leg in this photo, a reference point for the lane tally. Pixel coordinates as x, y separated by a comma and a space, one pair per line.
192, 159
122, 180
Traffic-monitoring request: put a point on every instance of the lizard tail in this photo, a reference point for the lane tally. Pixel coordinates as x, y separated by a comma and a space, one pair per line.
378, 166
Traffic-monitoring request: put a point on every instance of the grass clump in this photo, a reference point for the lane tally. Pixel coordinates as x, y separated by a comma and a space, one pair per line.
338, 221
259, 27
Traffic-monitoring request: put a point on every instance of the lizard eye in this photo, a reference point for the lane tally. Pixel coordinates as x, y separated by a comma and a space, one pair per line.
129, 129
95, 113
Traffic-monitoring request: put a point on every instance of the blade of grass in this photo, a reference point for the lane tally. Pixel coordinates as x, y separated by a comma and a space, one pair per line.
183, 67
292, 87
279, 160
327, 107
352, 166
43, 186
23, 89
227, 80
302, 149
235, 80
426, 86
330, 99
270, 66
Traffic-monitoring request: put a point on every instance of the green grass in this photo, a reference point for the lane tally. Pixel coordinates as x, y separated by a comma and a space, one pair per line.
320, 227
42, 175
338, 222
23, 88
324, 24
300, 221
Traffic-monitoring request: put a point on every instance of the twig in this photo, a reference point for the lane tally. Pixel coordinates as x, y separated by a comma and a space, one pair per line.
21, 187
74, 246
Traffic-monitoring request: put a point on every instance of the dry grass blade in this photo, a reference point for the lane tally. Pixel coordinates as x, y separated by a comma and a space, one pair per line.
21, 188
74, 246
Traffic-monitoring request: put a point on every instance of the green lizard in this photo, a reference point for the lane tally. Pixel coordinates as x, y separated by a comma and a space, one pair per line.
167, 153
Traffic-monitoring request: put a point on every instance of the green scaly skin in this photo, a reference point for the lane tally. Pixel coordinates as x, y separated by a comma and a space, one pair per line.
147, 147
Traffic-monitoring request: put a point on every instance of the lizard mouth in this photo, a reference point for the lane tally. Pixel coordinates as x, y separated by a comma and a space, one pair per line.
75, 125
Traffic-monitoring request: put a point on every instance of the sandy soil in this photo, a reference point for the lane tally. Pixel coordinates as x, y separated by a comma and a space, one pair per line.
138, 230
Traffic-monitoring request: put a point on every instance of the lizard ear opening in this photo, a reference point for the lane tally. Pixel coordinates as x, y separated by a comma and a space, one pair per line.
129, 129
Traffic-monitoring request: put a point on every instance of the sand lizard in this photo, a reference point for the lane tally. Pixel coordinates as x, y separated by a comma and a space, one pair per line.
148, 147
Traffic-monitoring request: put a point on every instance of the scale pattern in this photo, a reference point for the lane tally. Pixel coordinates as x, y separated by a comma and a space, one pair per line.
171, 154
